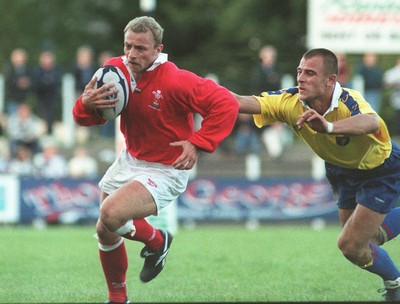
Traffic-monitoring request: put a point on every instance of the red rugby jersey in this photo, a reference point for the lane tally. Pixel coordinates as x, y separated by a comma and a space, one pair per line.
160, 111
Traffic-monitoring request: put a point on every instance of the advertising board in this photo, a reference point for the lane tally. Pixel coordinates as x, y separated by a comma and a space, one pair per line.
354, 26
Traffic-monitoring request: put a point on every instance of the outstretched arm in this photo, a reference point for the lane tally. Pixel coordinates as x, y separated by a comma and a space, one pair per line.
248, 104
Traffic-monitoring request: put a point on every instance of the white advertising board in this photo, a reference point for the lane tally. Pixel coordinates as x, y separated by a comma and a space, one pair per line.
354, 26
9, 199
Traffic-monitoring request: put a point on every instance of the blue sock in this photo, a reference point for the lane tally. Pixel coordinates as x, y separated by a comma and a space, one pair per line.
382, 264
391, 224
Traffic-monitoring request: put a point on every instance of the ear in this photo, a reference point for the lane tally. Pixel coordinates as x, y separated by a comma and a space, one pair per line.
332, 79
160, 47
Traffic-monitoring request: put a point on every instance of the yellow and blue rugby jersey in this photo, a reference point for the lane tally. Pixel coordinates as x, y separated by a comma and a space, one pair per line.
355, 152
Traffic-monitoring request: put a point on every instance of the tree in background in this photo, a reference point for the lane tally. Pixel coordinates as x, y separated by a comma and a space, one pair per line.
208, 36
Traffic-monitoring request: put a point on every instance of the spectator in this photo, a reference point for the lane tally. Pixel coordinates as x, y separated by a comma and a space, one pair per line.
47, 84
3, 124
50, 163
104, 56
247, 138
3, 164
82, 165
22, 163
391, 80
267, 77
344, 71
3, 156
24, 127
4, 143
17, 76
84, 68
372, 75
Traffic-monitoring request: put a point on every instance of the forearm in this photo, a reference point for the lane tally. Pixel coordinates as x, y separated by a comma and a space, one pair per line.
248, 104
356, 125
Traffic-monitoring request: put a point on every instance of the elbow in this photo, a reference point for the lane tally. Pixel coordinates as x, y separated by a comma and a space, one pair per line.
369, 124
374, 126
375, 130
79, 122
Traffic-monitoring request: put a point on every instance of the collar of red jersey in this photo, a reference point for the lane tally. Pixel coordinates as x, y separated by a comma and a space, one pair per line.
335, 99
162, 58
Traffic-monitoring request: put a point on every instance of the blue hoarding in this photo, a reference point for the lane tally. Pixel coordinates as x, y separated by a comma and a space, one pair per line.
269, 199
64, 201
206, 199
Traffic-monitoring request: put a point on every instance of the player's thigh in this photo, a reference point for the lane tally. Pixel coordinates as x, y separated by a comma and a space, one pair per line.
361, 226
130, 201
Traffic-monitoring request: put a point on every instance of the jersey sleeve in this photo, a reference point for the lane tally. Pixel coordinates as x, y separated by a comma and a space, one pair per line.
218, 108
85, 117
271, 109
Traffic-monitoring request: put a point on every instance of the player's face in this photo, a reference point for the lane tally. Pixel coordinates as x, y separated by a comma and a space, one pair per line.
311, 79
140, 51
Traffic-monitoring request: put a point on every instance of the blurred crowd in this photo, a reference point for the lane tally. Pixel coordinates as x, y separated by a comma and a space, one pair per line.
32, 108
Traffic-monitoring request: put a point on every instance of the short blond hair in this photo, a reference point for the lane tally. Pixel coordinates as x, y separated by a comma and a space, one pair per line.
143, 25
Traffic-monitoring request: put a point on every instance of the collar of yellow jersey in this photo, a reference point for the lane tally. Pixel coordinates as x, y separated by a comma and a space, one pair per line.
335, 99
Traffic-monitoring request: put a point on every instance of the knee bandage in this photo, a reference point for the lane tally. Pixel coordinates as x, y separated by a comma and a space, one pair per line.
108, 248
128, 227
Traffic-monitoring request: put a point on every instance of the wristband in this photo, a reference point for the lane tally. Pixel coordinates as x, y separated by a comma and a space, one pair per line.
329, 127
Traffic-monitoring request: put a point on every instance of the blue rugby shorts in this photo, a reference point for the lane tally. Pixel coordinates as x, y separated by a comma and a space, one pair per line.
377, 189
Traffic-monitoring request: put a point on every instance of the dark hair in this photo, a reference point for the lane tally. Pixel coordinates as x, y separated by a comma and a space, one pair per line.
329, 58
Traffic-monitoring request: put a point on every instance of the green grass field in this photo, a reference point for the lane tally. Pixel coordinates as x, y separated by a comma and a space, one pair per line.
216, 263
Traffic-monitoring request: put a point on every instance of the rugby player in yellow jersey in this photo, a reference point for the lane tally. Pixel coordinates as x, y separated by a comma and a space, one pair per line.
362, 163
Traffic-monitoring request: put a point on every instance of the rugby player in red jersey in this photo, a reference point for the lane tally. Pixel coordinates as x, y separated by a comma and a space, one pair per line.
161, 146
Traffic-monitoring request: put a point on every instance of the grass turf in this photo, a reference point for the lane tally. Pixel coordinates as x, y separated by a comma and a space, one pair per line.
211, 263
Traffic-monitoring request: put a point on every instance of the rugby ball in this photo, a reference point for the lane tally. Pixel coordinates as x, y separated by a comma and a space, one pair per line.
112, 74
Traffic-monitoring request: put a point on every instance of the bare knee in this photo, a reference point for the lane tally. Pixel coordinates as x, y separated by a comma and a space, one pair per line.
109, 220
105, 236
345, 247
359, 254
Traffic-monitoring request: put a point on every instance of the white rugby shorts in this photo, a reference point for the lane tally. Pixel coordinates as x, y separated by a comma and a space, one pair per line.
165, 183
